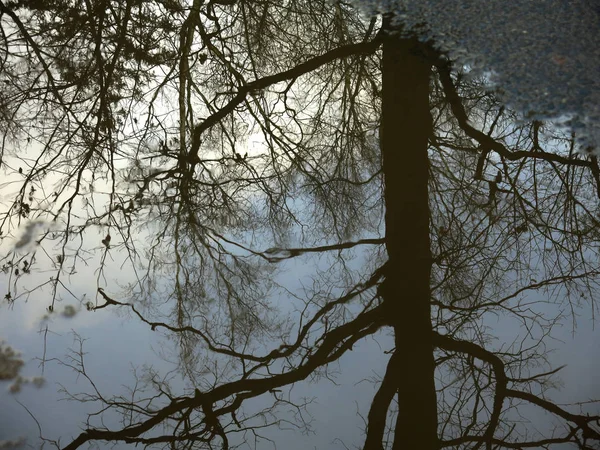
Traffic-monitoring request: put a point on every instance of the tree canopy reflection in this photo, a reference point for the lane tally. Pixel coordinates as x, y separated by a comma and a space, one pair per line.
192, 152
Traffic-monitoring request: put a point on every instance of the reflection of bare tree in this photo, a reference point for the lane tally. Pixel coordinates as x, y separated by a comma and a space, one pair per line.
141, 114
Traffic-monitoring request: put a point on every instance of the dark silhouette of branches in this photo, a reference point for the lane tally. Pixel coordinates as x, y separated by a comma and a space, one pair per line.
193, 154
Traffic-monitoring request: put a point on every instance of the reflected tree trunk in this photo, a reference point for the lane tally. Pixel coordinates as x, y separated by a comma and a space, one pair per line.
406, 126
148, 130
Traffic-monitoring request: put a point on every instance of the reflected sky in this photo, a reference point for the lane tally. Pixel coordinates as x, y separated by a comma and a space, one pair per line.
215, 239
116, 345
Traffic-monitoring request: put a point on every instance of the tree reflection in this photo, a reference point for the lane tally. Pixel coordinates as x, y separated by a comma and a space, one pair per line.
127, 130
